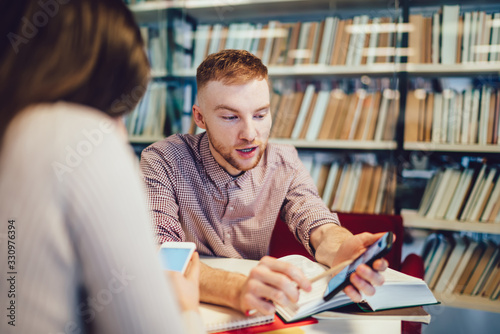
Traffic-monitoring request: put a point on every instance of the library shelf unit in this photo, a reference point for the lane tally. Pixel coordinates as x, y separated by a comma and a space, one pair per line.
227, 11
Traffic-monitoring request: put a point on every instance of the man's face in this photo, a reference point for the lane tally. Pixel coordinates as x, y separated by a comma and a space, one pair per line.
237, 120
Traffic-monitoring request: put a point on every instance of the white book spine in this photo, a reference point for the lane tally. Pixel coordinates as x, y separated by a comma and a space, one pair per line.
343, 179
494, 198
256, 38
266, 54
357, 114
495, 37
304, 107
436, 34
381, 189
443, 187
451, 264
200, 46
458, 196
449, 34
353, 187
473, 36
445, 118
372, 46
186, 110
215, 39
481, 196
458, 117
326, 39
474, 117
466, 37
486, 37
353, 41
314, 48
303, 39
479, 36
360, 41
318, 115
382, 119
484, 114
369, 117
436, 118
475, 190
330, 183
460, 268
466, 111
448, 194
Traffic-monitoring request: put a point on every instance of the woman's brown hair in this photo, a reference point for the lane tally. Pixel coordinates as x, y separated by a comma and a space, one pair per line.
88, 52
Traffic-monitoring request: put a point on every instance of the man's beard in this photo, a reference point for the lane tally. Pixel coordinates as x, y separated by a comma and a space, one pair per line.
219, 148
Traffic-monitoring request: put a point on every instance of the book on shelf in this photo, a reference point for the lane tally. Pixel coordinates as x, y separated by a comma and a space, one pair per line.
149, 117
470, 268
456, 254
470, 194
399, 290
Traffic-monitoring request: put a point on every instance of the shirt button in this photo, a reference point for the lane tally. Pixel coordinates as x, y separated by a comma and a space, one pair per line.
231, 208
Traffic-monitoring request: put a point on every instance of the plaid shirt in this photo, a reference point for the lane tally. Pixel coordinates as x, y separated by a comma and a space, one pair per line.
192, 198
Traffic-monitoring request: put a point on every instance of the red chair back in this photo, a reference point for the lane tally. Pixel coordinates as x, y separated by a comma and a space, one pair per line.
284, 243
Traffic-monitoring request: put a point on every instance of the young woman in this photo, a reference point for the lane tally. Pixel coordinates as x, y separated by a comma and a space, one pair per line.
77, 249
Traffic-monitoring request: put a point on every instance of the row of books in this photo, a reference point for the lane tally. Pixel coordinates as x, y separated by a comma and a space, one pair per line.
332, 41
155, 43
462, 265
449, 37
359, 186
468, 117
469, 194
446, 37
162, 111
319, 114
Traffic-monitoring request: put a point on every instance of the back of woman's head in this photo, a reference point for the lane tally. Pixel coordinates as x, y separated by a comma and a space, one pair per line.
83, 51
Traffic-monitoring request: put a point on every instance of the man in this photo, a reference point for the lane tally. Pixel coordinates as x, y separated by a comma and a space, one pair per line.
223, 189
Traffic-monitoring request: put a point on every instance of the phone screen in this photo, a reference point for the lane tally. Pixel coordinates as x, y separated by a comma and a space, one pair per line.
175, 259
375, 251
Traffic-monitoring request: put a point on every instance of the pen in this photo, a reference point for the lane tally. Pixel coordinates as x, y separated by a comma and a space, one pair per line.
332, 271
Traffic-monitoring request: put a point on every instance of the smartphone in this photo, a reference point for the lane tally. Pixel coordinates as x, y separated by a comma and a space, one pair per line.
175, 256
377, 250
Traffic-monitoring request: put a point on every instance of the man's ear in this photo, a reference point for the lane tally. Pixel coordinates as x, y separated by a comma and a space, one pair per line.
198, 117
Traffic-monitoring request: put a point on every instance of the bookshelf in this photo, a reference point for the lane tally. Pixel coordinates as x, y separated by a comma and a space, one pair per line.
401, 70
465, 148
412, 219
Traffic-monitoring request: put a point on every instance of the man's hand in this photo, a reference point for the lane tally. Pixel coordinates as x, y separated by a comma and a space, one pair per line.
272, 281
335, 244
187, 286
364, 279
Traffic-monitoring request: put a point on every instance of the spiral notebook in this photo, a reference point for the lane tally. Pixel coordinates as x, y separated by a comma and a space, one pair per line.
219, 318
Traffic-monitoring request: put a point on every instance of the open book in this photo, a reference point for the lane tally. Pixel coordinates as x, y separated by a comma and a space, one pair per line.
399, 290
